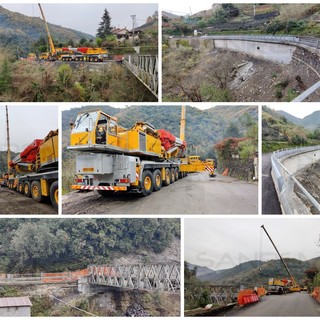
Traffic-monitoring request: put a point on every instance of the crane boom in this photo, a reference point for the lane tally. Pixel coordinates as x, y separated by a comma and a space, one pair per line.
52, 48
285, 265
183, 123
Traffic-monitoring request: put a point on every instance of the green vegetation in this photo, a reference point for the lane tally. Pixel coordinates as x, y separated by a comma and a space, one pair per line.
236, 152
104, 29
196, 293
53, 245
189, 75
280, 133
24, 81
296, 19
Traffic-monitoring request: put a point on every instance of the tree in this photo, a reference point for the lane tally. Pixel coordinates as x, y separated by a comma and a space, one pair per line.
105, 25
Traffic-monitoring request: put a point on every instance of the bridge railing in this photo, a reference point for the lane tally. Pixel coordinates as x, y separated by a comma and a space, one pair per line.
285, 181
145, 68
307, 41
163, 277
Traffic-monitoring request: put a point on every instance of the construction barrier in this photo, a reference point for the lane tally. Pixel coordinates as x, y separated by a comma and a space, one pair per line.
64, 276
261, 292
316, 294
246, 297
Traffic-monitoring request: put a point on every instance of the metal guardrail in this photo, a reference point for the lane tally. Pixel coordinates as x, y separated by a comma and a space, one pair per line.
295, 40
285, 181
145, 68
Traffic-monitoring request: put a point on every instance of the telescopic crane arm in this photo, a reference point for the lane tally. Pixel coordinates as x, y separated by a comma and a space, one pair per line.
52, 48
285, 265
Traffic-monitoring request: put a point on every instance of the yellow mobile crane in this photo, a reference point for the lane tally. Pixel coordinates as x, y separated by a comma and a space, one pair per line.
52, 54
141, 159
281, 286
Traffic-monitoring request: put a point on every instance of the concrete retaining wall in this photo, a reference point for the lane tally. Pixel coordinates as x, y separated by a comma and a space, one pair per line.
300, 161
279, 53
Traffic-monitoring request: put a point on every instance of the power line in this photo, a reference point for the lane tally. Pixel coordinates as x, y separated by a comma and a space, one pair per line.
71, 306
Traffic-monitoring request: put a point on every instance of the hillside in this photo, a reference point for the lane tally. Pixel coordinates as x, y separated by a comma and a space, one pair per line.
53, 245
3, 160
257, 272
310, 122
18, 30
247, 18
281, 130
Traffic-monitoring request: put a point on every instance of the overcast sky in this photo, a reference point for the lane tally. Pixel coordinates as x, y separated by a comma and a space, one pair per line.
297, 109
186, 7
224, 243
26, 123
86, 17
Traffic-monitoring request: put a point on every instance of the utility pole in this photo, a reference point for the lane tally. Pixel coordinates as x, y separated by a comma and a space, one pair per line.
8, 140
133, 17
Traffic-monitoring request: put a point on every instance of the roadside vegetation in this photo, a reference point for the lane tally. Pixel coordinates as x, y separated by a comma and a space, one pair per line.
280, 133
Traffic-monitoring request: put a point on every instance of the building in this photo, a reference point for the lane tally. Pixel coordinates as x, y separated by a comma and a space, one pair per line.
15, 307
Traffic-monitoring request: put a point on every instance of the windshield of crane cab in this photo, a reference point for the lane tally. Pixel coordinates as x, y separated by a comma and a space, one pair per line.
85, 122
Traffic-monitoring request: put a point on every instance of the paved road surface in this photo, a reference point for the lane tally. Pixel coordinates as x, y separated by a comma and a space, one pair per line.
293, 304
194, 194
270, 202
12, 202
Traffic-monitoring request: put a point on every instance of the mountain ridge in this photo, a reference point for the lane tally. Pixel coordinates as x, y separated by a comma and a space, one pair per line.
255, 271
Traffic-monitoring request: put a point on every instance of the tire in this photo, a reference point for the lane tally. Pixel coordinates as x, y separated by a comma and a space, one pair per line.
27, 189
20, 187
176, 174
172, 176
157, 180
54, 195
166, 180
147, 183
36, 191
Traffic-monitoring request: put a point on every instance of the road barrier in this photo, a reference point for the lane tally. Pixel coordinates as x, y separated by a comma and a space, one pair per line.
247, 296
285, 181
316, 294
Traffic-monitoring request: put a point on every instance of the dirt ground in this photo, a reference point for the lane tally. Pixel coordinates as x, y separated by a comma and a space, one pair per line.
194, 194
12, 202
310, 179
248, 79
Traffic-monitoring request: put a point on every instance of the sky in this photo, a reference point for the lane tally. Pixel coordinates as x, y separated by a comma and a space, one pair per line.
86, 17
297, 109
26, 123
224, 243
186, 7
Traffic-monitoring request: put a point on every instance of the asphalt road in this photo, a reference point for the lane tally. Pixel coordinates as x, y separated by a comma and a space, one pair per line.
270, 202
12, 202
194, 194
293, 304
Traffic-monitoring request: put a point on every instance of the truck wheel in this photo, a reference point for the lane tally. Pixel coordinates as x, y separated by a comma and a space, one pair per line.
36, 191
157, 179
54, 195
27, 189
147, 183
20, 187
172, 176
176, 174
166, 181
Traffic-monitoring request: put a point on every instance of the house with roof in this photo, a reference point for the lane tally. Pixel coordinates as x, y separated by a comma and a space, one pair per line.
15, 307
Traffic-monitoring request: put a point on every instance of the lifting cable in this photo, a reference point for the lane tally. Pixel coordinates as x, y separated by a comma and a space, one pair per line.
71, 306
